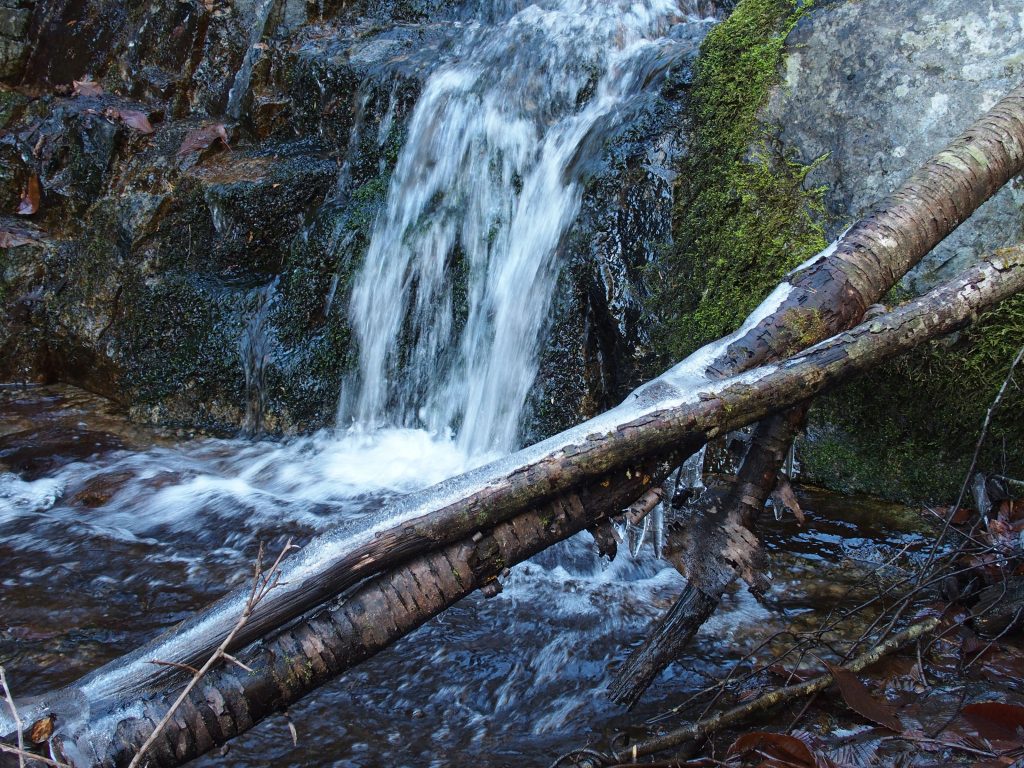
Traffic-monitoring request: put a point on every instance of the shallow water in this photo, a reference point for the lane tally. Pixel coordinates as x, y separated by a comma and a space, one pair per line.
110, 532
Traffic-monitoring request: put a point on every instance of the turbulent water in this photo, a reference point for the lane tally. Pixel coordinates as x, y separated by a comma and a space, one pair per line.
109, 533
452, 301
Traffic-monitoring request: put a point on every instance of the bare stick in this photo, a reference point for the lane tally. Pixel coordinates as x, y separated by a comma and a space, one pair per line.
701, 728
17, 718
261, 585
22, 754
186, 667
642, 507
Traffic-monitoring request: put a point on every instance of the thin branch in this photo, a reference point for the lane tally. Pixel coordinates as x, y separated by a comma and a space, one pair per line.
23, 754
16, 716
261, 586
700, 729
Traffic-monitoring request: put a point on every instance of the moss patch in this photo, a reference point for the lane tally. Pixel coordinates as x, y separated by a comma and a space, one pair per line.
907, 430
742, 217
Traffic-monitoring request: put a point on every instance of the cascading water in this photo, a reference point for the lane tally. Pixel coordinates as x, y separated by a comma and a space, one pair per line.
453, 296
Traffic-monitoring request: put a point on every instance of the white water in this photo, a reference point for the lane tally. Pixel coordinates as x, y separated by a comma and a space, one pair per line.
451, 303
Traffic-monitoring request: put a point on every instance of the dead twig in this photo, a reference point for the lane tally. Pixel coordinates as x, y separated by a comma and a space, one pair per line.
261, 586
700, 729
30, 756
16, 716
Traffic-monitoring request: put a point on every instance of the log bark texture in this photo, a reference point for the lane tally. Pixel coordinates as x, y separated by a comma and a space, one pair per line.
312, 651
683, 406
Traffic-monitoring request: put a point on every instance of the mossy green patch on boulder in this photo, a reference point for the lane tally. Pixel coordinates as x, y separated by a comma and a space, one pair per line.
908, 429
743, 216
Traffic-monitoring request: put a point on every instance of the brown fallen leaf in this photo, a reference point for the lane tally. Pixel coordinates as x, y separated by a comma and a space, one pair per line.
784, 498
133, 118
41, 730
1001, 724
203, 138
779, 748
86, 88
30, 197
862, 701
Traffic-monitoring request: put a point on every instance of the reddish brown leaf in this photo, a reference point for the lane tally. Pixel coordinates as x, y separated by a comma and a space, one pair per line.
996, 721
41, 730
203, 138
962, 515
134, 119
860, 699
782, 749
30, 197
86, 88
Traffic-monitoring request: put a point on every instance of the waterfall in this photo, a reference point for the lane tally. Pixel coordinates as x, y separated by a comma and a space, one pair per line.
240, 86
452, 299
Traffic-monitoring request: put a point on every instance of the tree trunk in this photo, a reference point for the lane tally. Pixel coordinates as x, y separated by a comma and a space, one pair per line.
293, 662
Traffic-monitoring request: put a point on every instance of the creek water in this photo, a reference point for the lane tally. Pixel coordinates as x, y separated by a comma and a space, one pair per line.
110, 532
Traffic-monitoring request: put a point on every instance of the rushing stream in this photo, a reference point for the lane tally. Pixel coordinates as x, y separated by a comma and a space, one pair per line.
108, 533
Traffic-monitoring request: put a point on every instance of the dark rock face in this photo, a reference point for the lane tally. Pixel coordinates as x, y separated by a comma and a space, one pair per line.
599, 347
209, 288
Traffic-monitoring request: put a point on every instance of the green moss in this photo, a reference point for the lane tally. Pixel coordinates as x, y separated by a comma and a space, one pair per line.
743, 217
908, 429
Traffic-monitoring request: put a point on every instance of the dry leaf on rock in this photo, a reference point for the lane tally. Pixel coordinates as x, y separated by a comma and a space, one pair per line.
133, 118
30, 197
86, 88
203, 138
41, 730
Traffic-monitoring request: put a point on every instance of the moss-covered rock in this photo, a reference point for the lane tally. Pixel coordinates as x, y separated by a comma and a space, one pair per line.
800, 122
743, 215
878, 105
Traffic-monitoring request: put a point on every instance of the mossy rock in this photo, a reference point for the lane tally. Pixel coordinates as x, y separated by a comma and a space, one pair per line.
908, 429
743, 217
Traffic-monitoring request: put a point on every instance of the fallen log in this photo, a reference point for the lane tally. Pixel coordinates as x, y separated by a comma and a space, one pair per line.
709, 558
824, 295
290, 663
719, 546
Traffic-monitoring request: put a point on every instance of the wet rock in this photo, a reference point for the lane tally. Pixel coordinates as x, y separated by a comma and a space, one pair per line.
35, 453
15, 16
598, 347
